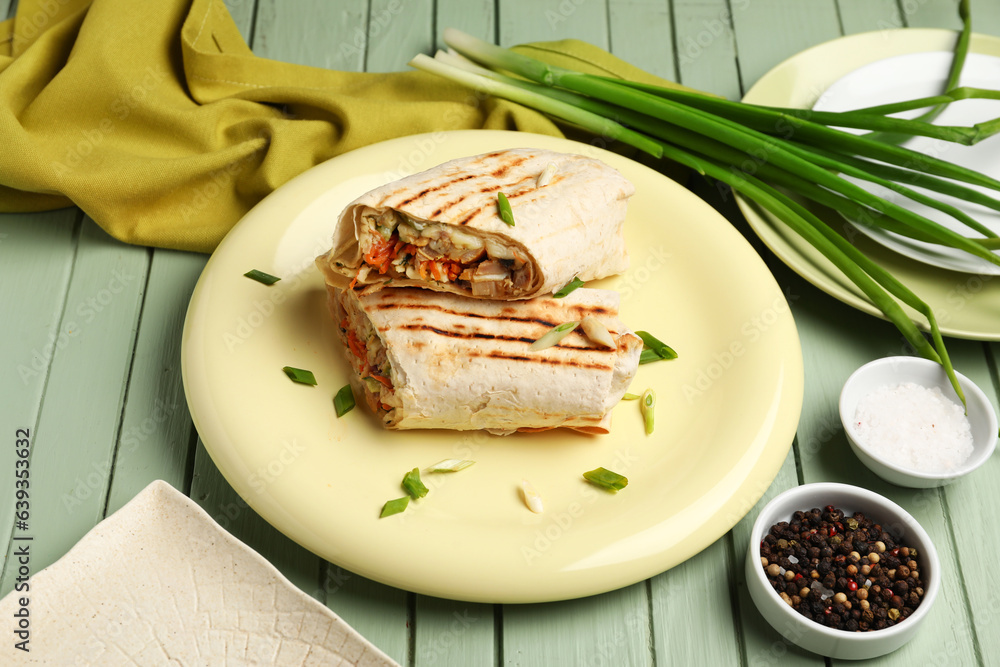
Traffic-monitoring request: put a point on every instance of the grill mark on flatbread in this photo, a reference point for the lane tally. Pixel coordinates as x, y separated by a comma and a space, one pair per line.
466, 335
513, 194
587, 310
496, 354
502, 170
488, 336
489, 188
434, 188
474, 212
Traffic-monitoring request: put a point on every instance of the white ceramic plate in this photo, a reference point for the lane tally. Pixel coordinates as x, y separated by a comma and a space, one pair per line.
966, 305
159, 584
727, 408
911, 76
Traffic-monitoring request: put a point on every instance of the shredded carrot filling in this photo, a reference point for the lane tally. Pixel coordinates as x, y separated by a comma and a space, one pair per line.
380, 251
381, 378
357, 347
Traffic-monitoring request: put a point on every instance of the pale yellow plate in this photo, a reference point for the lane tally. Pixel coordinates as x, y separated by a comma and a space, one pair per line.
966, 305
726, 411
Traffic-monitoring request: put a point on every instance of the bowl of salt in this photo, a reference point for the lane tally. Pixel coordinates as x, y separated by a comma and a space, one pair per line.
905, 422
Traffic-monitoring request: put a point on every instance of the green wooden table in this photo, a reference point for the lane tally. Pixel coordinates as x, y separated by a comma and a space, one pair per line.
90, 340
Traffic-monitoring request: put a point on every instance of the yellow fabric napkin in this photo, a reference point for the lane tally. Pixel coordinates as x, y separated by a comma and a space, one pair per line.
158, 121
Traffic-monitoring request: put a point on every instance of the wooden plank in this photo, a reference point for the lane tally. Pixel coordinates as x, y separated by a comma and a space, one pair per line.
693, 600
35, 285
476, 17
868, 15
242, 13
397, 31
641, 32
706, 46
607, 629
155, 436
453, 633
944, 14
547, 20
73, 446
326, 34
969, 507
769, 31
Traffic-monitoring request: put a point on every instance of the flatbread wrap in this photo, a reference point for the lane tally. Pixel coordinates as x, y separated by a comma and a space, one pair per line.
425, 359
441, 229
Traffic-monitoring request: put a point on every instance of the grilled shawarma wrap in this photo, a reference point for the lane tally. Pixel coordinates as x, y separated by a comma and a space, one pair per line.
426, 359
441, 229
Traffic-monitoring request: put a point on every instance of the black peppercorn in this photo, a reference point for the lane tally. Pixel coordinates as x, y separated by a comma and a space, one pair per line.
842, 572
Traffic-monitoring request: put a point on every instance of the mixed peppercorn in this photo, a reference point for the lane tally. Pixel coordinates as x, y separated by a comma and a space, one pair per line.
844, 572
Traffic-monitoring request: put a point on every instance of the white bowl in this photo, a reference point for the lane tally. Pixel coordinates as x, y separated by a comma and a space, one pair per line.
812, 636
930, 374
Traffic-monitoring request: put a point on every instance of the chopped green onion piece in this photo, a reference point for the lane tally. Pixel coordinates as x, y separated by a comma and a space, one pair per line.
503, 206
299, 375
714, 137
412, 484
261, 277
649, 356
646, 406
394, 506
343, 401
631, 397
568, 287
449, 465
554, 335
662, 350
606, 479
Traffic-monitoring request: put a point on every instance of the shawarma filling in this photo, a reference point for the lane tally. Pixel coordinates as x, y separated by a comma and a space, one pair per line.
397, 246
368, 359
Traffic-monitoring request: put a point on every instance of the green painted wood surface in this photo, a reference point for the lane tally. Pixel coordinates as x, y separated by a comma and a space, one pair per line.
156, 433
101, 389
73, 444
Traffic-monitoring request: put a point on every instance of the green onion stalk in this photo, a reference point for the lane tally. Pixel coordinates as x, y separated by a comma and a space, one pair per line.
798, 154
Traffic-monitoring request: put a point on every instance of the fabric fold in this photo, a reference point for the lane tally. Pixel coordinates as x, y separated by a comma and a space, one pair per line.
159, 122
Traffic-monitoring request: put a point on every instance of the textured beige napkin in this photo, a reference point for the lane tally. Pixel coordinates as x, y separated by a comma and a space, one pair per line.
160, 583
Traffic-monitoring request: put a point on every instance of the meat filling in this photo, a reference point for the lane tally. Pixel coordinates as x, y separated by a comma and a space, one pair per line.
369, 360
399, 247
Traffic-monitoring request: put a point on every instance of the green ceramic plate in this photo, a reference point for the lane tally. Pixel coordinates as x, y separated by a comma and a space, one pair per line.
966, 305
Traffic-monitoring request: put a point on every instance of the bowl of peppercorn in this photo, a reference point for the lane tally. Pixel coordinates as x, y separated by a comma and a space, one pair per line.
841, 571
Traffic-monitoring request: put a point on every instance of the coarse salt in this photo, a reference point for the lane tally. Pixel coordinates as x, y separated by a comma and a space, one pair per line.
914, 427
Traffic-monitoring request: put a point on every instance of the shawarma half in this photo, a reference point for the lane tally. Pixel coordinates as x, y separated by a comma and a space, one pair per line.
424, 359
442, 229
